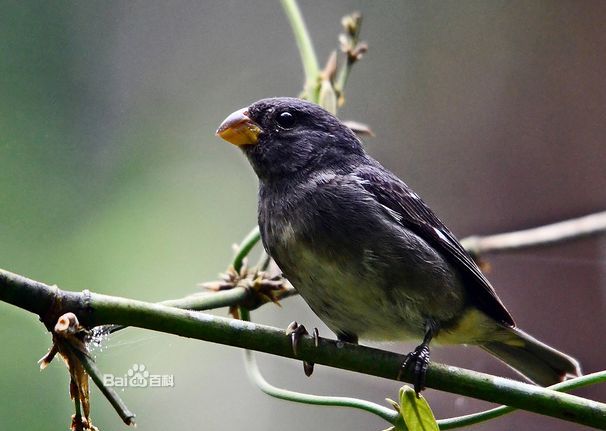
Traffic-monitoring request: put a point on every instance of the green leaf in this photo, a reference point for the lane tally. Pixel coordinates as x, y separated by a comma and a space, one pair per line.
400, 425
416, 411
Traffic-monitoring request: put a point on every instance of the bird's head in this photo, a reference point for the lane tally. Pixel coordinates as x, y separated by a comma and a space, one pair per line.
284, 136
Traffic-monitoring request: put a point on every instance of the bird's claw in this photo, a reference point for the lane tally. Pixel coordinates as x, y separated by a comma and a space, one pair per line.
296, 331
308, 368
417, 362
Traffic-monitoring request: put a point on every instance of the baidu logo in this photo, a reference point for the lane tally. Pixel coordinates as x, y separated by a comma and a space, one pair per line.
139, 377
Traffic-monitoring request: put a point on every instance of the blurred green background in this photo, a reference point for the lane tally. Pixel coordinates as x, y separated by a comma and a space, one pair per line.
111, 179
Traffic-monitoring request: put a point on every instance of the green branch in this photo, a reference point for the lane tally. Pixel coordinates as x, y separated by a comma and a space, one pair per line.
474, 418
306, 49
95, 309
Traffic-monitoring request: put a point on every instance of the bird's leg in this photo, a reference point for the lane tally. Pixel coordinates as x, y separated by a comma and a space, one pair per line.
418, 359
296, 331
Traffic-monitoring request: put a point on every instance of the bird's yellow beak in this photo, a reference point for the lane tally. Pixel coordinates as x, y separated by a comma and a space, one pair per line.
239, 129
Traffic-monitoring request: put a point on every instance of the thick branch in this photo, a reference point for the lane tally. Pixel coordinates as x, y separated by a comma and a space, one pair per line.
94, 309
539, 236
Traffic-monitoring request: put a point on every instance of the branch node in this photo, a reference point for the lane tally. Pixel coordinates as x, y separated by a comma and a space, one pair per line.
55, 309
86, 302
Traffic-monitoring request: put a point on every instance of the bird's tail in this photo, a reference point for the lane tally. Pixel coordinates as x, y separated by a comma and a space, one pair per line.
536, 361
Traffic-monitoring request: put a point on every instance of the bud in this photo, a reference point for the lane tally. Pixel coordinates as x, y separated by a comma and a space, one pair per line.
351, 23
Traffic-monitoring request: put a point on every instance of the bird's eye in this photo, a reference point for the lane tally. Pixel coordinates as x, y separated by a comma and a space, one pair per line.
286, 120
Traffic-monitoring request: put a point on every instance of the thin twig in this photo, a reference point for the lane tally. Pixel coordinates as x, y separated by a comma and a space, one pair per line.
350, 60
539, 236
112, 396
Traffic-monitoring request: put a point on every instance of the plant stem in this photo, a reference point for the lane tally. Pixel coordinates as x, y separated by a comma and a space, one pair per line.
245, 247
306, 49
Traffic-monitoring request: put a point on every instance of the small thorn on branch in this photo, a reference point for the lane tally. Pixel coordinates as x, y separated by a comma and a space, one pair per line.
262, 287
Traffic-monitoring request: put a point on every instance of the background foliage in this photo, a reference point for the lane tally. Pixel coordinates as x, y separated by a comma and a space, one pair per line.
111, 179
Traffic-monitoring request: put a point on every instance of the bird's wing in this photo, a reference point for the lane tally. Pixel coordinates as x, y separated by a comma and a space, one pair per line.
415, 215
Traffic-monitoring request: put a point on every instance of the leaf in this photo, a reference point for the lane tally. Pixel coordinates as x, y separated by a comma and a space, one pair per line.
416, 411
400, 425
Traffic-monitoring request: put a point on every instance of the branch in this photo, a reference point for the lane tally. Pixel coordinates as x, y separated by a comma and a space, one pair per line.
306, 49
95, 309
474, 418
537, 237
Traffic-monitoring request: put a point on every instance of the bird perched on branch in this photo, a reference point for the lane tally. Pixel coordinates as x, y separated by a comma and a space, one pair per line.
370, 258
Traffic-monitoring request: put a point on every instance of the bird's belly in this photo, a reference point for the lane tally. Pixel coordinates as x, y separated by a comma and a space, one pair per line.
351, 300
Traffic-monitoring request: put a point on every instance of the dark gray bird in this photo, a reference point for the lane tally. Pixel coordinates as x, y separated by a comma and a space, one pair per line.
370, 258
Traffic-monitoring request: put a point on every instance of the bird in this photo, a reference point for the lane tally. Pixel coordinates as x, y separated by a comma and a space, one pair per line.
364, 251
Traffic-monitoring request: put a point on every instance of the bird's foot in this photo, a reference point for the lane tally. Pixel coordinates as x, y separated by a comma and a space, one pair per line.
417, 362
296, 331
